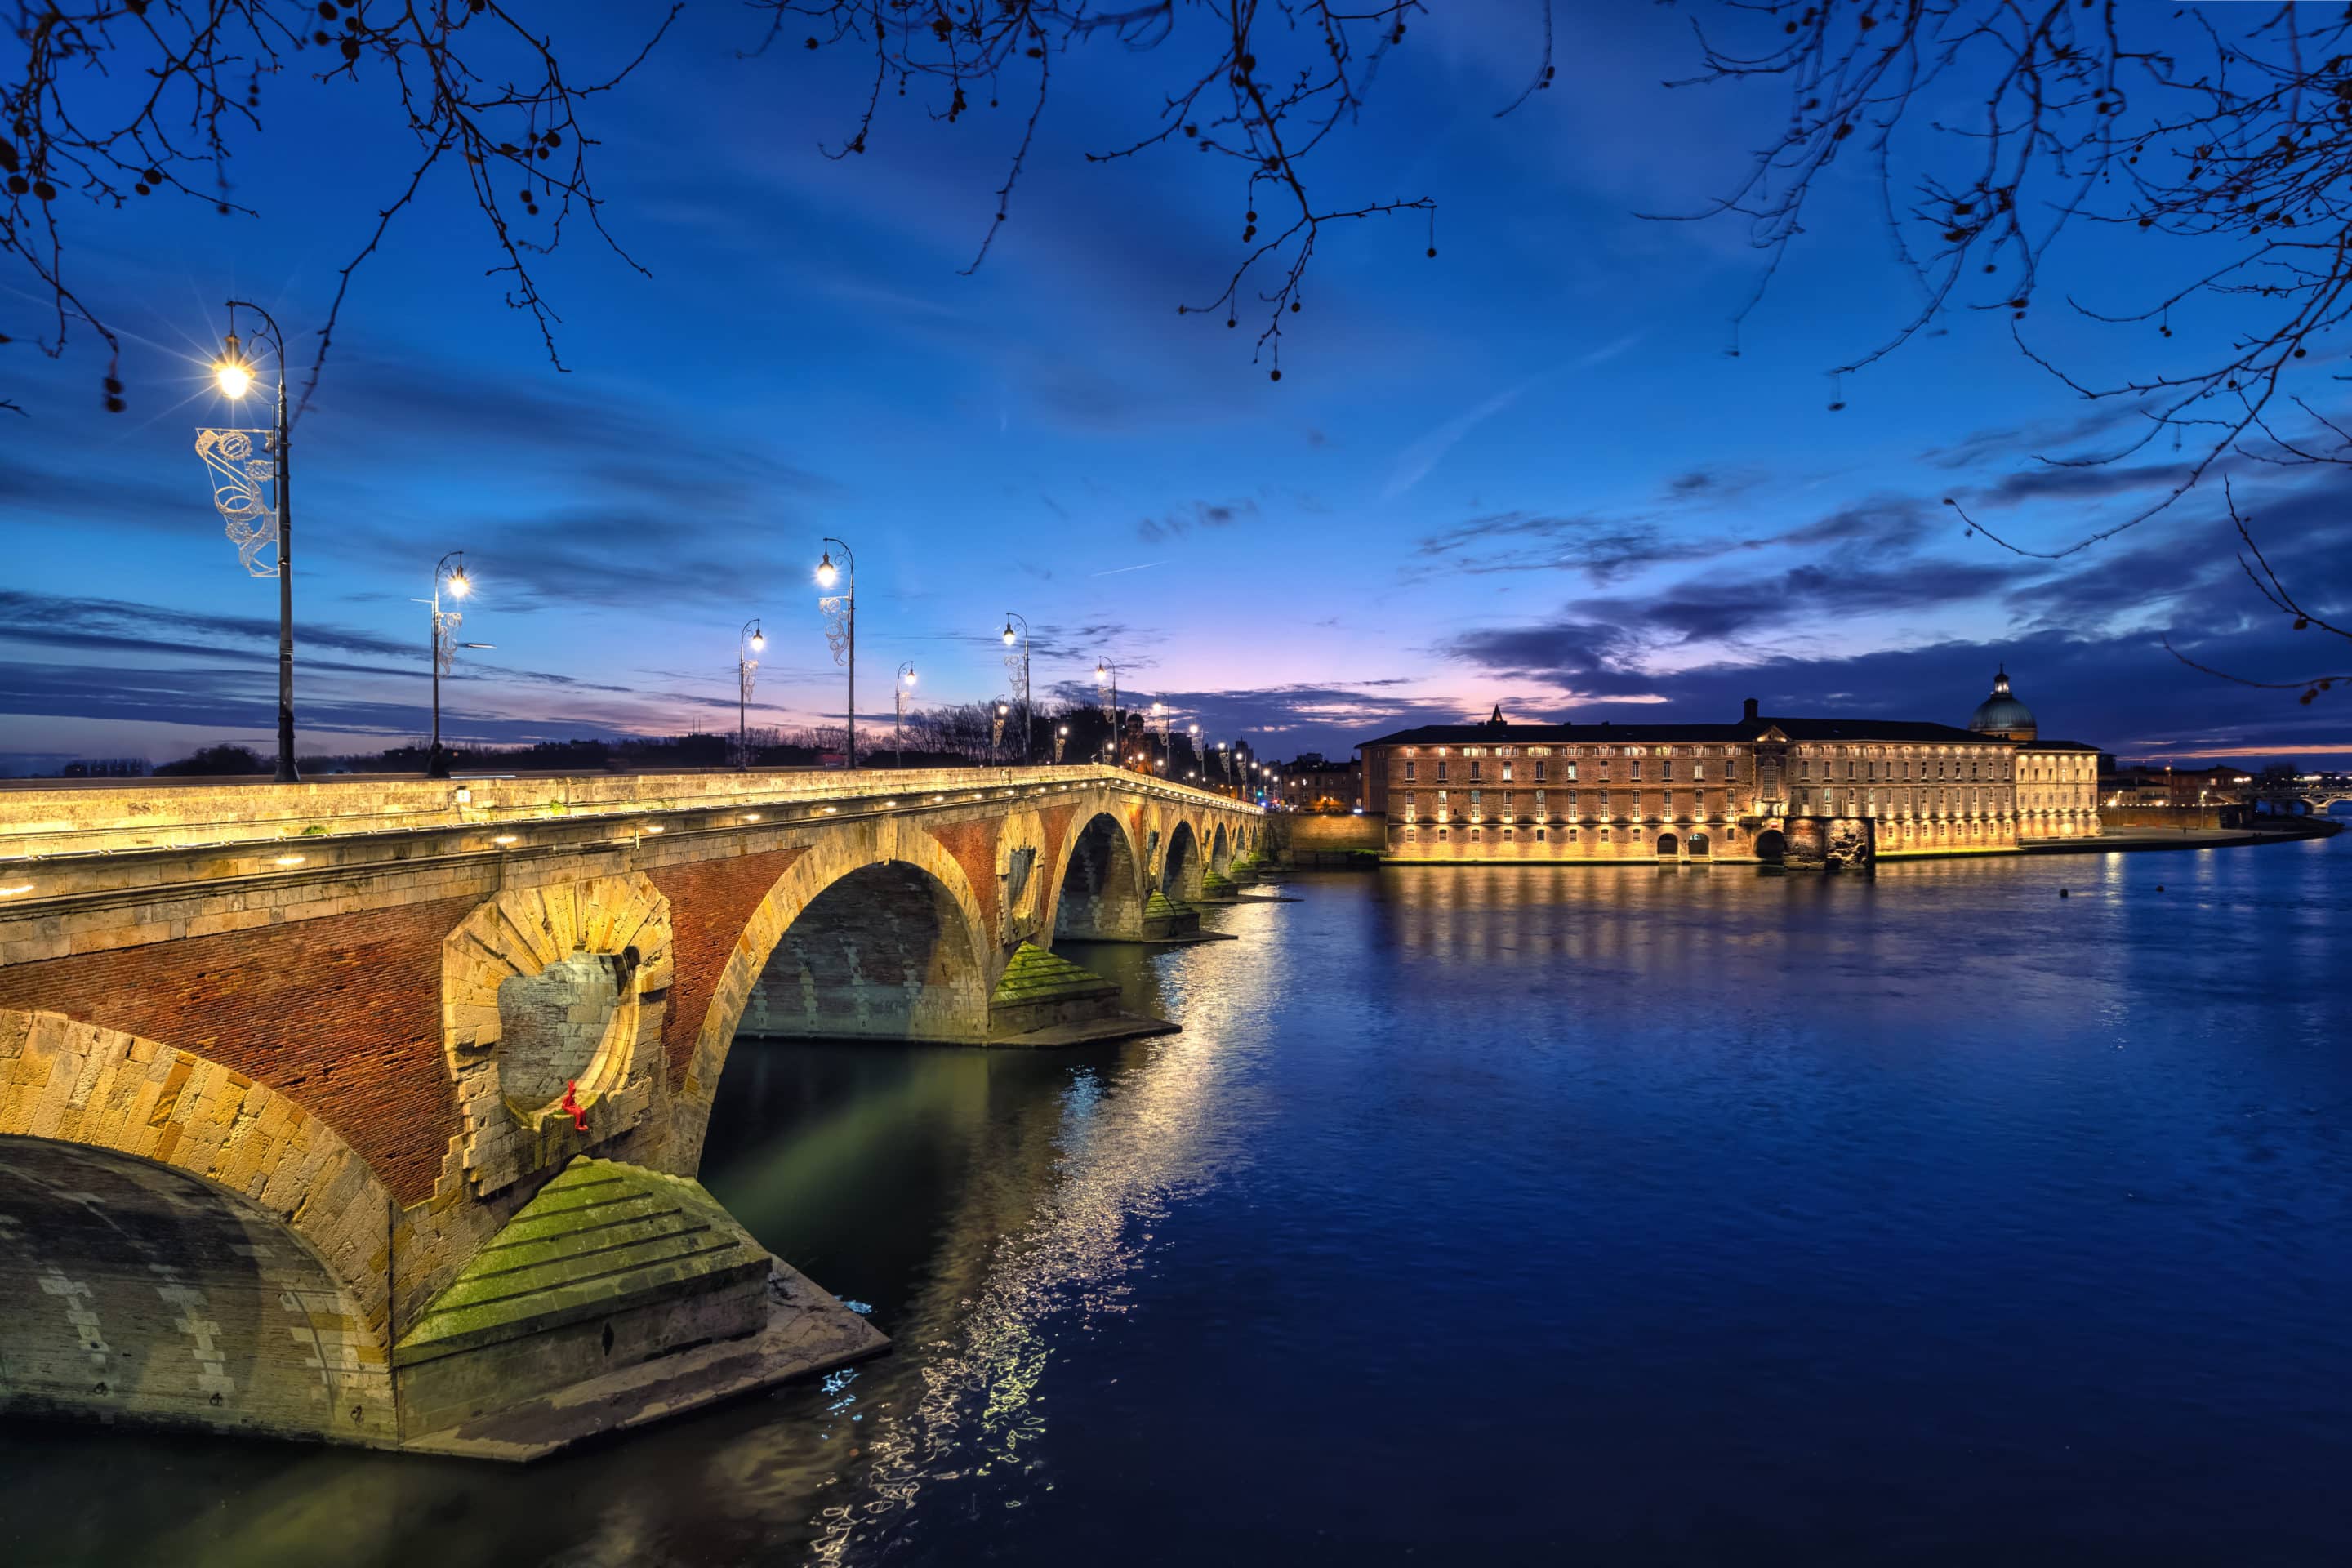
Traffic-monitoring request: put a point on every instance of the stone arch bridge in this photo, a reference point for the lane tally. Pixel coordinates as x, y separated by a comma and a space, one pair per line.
370, 1111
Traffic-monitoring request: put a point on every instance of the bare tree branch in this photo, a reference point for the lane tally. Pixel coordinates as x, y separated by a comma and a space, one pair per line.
118, 100
1992, 127
1259, 83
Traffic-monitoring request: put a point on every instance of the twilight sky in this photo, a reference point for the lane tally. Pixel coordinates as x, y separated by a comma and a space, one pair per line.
1525, 472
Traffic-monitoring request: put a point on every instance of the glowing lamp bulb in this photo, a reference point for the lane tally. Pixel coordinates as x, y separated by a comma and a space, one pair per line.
825, 572
910, 677
233, 377
459, 586
758, 642
1101, 674
1008, 633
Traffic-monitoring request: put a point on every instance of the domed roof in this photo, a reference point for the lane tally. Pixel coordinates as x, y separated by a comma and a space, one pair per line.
2002, 713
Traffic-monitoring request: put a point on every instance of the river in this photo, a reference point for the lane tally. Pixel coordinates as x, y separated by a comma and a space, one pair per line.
1523, 1214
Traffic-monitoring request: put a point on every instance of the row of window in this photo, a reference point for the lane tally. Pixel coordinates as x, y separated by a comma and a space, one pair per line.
1574, 807
1474, 835
1697, 773
1869, 771
1809, 750
1582, 751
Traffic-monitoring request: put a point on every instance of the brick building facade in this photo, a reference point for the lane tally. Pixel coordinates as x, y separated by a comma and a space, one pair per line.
1500, 791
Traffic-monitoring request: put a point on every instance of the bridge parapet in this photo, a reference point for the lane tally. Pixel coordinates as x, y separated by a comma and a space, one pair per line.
369, 1022
115, 819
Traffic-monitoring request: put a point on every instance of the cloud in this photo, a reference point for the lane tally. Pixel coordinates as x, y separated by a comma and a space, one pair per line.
1608, 549
2075, 483
100, 622
1201, 514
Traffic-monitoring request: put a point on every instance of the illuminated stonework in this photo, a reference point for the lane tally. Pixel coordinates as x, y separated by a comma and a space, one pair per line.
1499, 791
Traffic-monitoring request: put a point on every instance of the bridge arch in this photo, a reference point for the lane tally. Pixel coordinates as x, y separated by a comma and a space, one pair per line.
1180, 868
180, 1244
876, 932
1220, 850
1100, 893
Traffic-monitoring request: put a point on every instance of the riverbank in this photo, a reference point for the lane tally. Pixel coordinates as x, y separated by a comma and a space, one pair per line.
2129, 838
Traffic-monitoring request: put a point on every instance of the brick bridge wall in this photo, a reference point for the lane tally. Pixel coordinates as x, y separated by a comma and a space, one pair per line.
332, 956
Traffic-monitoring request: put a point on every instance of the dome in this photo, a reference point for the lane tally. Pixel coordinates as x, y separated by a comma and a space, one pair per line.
2003, 714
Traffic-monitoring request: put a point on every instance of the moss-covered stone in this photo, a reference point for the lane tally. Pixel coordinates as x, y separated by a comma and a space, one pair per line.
600, 1237
1036, 974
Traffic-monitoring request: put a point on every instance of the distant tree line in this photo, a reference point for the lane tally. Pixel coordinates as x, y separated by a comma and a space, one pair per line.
961, 734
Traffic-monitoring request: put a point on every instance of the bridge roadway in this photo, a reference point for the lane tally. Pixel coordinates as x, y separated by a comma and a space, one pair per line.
369, 1110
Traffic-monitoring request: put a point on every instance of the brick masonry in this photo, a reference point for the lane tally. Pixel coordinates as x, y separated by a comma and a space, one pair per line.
293, 1026
340, 1015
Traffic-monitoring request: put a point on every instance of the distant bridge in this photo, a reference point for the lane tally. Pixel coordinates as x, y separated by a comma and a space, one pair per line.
2318, 799
369, 1110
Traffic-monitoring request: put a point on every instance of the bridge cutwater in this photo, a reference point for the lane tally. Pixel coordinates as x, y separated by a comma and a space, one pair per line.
370, 1109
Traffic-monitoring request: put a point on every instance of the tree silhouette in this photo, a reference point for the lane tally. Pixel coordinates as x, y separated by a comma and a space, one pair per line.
120, 100
1992, 128
1262, 86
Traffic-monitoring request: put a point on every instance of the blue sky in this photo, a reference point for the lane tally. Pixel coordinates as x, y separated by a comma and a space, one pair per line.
1525, 472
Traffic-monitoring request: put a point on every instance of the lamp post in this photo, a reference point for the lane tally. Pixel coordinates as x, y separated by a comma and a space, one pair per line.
750, 643
1028, 713
841, 631
996, 742
1159, 722
1061, 740
903, 685
235, 378
444, 645
1105, 672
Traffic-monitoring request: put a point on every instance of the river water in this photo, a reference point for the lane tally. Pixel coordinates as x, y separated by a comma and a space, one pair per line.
1543, 1215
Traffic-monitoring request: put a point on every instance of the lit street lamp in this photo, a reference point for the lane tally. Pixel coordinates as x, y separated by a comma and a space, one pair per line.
996, 740
446, 647
1028, 714
1105, 672
1061, 739
841, 625
234, 372
750, 644
905, 683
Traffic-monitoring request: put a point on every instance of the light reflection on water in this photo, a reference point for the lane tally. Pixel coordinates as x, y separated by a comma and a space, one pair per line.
1513, 1213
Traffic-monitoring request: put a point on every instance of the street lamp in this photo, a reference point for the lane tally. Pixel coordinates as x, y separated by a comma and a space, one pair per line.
750, 643
446, 646
1028, 714
905, 683
1105, 672
234, 374
1061, 740
841, 625
1002, 710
